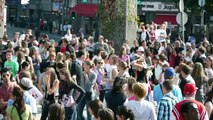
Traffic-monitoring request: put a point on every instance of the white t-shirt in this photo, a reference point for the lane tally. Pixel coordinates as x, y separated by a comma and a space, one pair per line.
143, 110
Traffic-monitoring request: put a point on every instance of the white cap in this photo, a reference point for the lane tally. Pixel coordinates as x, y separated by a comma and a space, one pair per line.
27, 83
140, 49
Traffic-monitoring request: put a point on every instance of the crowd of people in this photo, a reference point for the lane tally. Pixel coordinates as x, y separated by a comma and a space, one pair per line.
155, 79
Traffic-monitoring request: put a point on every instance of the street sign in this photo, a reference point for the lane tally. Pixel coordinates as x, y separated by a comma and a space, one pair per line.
178, 18
2, 4
181, 5
201, 3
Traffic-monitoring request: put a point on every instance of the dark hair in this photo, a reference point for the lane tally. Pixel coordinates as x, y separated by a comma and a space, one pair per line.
118, 84
95, 105
25, 64
186, 69
185, 107
80, 54
106, 114
126, 113
19, 102
168, 84
56, 111
202, 50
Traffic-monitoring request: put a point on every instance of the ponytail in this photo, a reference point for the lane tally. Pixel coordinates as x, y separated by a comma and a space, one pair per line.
125, 112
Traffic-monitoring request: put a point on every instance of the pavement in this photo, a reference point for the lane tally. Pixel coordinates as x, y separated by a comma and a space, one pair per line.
12, 29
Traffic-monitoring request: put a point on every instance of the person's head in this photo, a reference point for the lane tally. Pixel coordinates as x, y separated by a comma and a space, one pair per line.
130, 82
9, 55
18, 97
94, 106
88, 65
25, 66
209, 61
140, 50
59, 56
105, 114
140, 90
185, 70
113, 59
81, 55
169, 73
123, 50
6, 75
201, 50
189, 111
50, 71
26, 83
123, 113
198, 73
64, 75
101, 39
56, 112
190, 90
119, 84
122, 65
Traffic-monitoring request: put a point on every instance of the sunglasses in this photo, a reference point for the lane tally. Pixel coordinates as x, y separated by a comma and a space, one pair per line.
5, 75
100, 63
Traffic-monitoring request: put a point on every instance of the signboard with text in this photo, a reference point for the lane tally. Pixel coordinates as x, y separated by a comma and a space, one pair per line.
159, 6
2, 11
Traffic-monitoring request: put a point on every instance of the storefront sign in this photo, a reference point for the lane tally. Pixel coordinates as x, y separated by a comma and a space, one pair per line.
159, 6
2, 11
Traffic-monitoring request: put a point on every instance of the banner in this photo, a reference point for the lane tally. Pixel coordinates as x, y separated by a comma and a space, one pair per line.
2, 23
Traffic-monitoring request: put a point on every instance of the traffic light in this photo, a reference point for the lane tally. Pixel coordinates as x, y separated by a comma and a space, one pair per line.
73, 15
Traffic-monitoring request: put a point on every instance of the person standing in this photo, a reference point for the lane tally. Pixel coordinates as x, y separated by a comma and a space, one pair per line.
6, 89
169, 100
13, 65
190, 93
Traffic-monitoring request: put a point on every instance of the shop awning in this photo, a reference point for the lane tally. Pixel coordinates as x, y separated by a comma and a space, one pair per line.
159, 19
88, 10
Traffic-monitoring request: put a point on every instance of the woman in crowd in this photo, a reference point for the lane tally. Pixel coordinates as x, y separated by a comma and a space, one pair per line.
19, 110
116, 96
129, 90
200, 80
105, 114
52, 85
142, 109
56, 112
209, 67
36, 59
123, 69
123, 113
93, 108
99, 70
66, 88
87, 83
209, 103
123, 56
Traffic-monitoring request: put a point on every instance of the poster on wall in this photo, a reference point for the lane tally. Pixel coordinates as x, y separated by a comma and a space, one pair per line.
2, 23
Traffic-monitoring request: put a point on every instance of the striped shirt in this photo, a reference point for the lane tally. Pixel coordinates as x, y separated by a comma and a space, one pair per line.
165, 106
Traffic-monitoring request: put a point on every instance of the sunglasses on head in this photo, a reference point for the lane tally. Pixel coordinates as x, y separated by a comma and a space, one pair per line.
100, 62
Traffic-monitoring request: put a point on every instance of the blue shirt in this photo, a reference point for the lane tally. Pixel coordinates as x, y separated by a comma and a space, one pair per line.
165, 106
158, 93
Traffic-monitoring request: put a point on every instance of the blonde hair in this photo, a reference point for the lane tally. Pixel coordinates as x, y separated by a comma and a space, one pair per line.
140, 90
59, 56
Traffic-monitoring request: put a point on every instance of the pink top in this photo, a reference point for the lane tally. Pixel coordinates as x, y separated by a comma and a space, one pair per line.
132, 98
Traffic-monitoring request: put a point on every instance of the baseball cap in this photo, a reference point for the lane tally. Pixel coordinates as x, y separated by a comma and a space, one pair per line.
140, 49
169, 73
189, 88
26, 83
